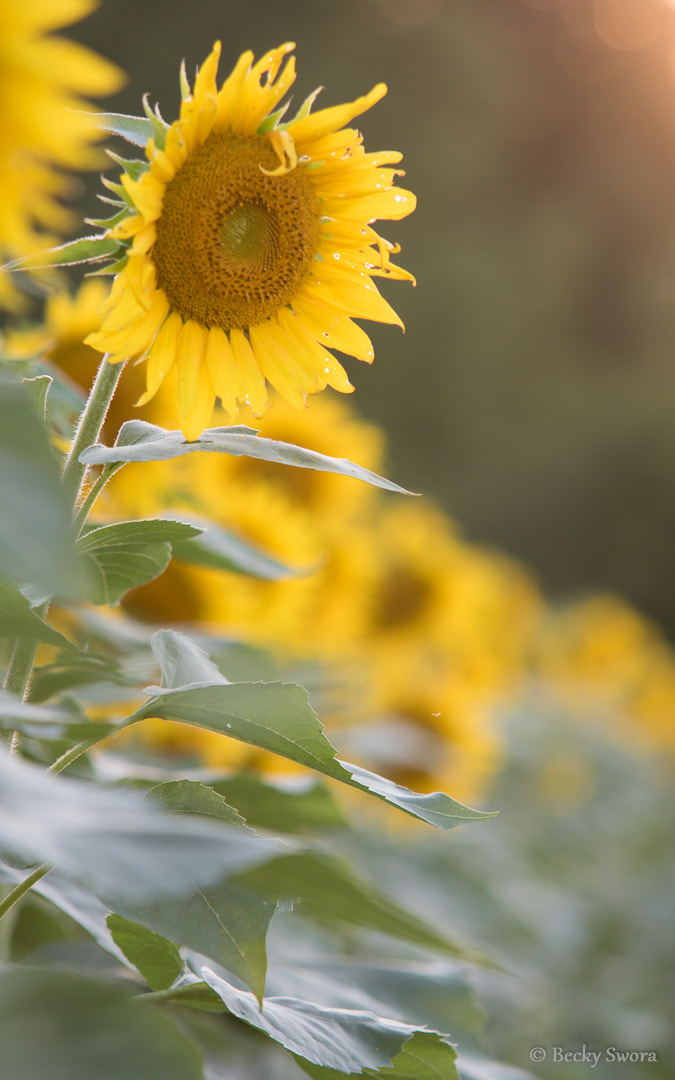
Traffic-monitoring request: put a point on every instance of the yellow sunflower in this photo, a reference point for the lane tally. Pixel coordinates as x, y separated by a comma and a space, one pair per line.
247, 244
43, 129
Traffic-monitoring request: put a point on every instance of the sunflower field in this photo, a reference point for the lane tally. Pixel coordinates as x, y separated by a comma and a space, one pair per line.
253, 680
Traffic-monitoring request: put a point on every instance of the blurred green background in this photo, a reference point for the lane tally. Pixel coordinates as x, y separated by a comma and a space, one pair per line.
534, 389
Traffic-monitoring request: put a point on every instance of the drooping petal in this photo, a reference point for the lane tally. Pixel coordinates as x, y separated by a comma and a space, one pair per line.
225, 375
278, 365
190, 357
198, 417
162, 356
253, 383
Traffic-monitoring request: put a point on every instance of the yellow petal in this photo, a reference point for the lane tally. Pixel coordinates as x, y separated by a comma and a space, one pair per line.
205, 83
146, 194
277, 365
144, 240
357, 298
175, 146
333, 330
333, 372
321, 123
333, 151
356, 183
263, 88
223, 371
135, 339
161, 166
190, 356
162, 356
284, 148
194, 420
128, 228
253, 383
392, 205
230, 91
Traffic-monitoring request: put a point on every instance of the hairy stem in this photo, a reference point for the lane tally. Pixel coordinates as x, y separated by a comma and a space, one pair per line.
91, 422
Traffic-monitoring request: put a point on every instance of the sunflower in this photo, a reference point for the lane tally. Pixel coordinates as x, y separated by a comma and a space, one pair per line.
43, 129
247, 246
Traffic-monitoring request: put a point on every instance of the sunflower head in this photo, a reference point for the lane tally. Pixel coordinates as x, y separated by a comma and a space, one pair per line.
246, 247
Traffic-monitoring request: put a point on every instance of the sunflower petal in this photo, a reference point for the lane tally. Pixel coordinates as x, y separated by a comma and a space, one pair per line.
190, 357
321, 123
333, 330
278, 365
198, 417
253, 382
223, 371
162, 357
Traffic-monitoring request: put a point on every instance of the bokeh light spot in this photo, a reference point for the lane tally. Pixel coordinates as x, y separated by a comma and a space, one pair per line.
626, 24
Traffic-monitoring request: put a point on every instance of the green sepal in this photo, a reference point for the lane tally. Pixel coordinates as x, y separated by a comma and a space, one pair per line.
135, 129
111, 222
305, 109
272, 121
117, 189
133, 167
159, 124
82, 250
112, 269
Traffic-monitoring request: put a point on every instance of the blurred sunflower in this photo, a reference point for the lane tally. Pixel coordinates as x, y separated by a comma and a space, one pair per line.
607, 660
247, 244
43, 129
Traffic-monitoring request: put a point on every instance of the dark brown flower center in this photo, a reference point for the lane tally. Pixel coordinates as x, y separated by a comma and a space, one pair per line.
233, 243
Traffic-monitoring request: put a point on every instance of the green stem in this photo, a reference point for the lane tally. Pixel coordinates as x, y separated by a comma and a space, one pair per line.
92, 495
23, 888
18, 673
91, 422
75, 752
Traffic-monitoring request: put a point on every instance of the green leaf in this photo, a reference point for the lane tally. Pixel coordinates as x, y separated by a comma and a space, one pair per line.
39, 388
275, 716
18, 620
425, 1056
287, 805
115, 841
224, 550
330, 892
47, 721
151, 443
347, 1040
227, 923
35, 522
436, 994
74, 900
135, 129
158, 960
67, 672
192, 797
55, 1025
122, 556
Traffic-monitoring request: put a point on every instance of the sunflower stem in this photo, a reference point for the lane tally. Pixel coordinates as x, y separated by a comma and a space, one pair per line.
89, 427
17, 679
25, 886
